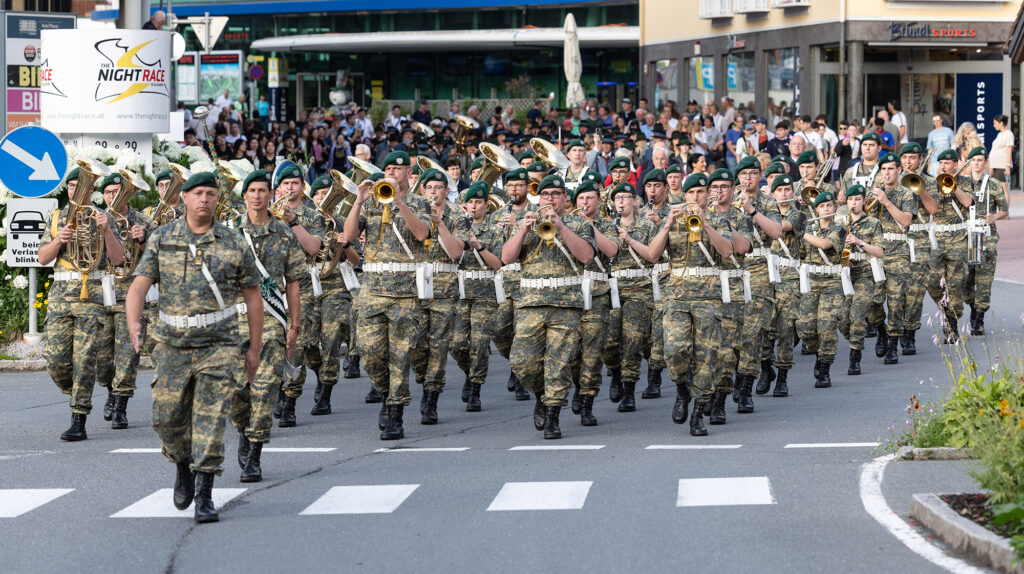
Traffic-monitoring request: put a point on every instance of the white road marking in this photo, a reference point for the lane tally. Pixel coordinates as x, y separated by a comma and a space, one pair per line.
541, 496
425, 449
692, 446
135, 451
160, 504
875, 505
559, 447
366, 499
265, 449
725, 491
17, 501
832, 445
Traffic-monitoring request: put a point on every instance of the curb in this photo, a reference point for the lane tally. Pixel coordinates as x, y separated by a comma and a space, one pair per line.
934, 453
35, 365
964, 535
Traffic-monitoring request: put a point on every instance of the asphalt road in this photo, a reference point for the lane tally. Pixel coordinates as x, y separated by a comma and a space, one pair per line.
606, 502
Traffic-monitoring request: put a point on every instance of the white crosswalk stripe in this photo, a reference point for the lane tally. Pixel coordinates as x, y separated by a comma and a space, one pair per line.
732, 491
541, 496
160, 504
366, 499
17, 501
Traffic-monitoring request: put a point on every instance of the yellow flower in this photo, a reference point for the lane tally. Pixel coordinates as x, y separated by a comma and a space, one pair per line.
1004, 408
46, 301
981, 412
39, 295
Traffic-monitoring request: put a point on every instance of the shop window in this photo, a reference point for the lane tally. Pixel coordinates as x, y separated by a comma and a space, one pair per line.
782, 82
702, 80
666, 86
741, 78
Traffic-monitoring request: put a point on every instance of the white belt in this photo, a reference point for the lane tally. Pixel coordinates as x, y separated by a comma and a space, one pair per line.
660, 267
550, 282
632, 273
76, 276
859, 257
445, 268
894, 236
479, 275
391, 267
698, 271
789, 262
825, 269
917, 227
949, 228
511, 267
760, 252
595, 276
205, 320
731, 273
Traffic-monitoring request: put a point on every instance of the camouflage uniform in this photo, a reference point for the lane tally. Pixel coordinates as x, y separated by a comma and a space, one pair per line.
586, 366
437, 315
978, 287
862, 171
947, 266
474, 324
330, 318
504, 322
734, 313
757, 315
897, 258
309, 336
629, 326
280, 254
149, 312
820, 309
787, 292
388, 305
919, 269
854, 318
655, 352
198, 369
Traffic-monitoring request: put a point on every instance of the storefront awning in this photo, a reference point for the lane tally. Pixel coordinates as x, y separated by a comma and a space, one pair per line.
452, 40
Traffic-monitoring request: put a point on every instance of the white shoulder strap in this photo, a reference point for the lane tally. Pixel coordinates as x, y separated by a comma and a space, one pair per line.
209, 279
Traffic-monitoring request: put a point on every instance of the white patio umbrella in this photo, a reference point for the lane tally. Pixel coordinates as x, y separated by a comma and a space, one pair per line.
573, 63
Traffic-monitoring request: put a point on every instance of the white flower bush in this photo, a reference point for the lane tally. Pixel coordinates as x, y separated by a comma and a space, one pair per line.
194, 154
97, 198
21, 282
243, 164
202, 166
160, 163
170, 150
3, 232
131, 161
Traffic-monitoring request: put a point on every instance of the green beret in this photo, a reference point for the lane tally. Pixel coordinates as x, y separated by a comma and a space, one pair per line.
781, 181
624, 187
887, 158
776, 167
783, 158
976, 152
416, 169
526, 153
550, 181
585, 186
823, 197
165, 174
202, 179
376, 176
396, 158
749, 162
433, 175
912, 147
619, 162
537, 166
808, 156
575, 142
855, 189
291, 172
262, 175
114, 178
655, 175
721, 174
591, 175
674, 168
517, 174
318, 183
478, 190
73, 174
871, 137
695, 180
949, 154
477, 163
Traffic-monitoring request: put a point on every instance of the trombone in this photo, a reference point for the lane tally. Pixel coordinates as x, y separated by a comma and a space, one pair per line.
913, 180
947, 183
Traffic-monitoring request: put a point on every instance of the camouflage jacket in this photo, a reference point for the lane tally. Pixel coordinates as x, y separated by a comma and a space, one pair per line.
491, 239
683, 254
607, 228
758, 264
835, 233
310, 220
72, 290
904, 201
792, 239
988, 203
869, 230
277, 249
446, 283
921, 215
383, 246
540, 260
511, 277
643, 231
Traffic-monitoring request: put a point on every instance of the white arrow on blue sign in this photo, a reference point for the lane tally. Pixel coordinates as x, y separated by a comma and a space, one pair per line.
32, 161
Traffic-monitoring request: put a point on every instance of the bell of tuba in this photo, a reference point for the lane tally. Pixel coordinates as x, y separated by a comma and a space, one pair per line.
131, 183
228, 177
549, 154
361, 169
426, 163
466, 125
497, 162
342, 190
163, 213
85, 249
423, 129
494, 203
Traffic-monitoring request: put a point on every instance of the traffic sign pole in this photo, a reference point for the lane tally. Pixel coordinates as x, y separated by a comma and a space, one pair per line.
32, 337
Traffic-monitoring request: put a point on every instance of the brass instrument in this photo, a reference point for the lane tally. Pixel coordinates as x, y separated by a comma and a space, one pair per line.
384, 193
466, 124
423, 129
913, 181
426, 163
349, 186
947, 183
494, 203
84, 250
329, 254
228, 177
578, 212
276, 207
362, 169
496, 162
533, 192
131, 183
163, 213
548, 154
826, 168
545, 229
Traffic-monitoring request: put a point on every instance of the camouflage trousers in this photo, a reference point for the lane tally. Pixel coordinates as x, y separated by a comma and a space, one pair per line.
192, 392
328, 324
308, 345
787, 309
430, 350
978, 286
586, 366
471, 337
818, 321
853, 318
353, 320
918, 285
757, 321
656, 353
730, 345
252, 406
947, 269
118, 361
546, 342
388, 327
693, 333
505, 327
73, 342
897, 284
629, 333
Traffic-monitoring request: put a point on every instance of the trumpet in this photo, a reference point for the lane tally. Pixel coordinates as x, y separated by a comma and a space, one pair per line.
384, 193
947, 183
545, 229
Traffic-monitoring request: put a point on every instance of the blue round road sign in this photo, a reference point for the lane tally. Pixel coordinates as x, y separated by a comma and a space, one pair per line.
32, 161
255, 71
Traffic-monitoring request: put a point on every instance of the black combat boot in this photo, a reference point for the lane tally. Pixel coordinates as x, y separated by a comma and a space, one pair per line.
907, 341
824, 380
587, 417
279, 404
243, 449
345, 364
697, 427
521, 393
384, 414
323, 403
717, 416
288, 414
764, 382
628, 403
681, 408
120, 413
653, 390
871, 333
252, 471
854, 362
394, 429
513, 380
319, 390
575, 403
473, 406
892, 355
538, 412
108, 407
746, 404
551, 430
76, 431
374, 396
205, 510
782, 384
615, 388
429, 411
882, 341
466, 388
352, 371
977, 322
423, 397
817, 368
184, 484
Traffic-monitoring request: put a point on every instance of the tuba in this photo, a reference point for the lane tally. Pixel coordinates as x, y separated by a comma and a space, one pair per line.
163, 213
361, 169
549, 154
495, 203
131, 183
426, 163
496, 162
466, 124
422, 129
85, 249
342, 189
228, 177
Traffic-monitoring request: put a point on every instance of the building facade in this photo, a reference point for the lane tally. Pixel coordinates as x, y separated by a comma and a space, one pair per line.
785, 56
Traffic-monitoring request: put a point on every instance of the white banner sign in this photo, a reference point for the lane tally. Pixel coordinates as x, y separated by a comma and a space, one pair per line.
105, 81
25, 224
141, 144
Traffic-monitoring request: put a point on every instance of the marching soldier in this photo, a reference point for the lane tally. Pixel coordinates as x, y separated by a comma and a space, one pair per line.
948, 263
864, 241
474, 326
576, 152
449, 233
280, 263
76, 319
674, 178
618, 172
548, 313
388, 304
656, 211
866, 172
163, 181
204, 270
911, 160
990, 206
